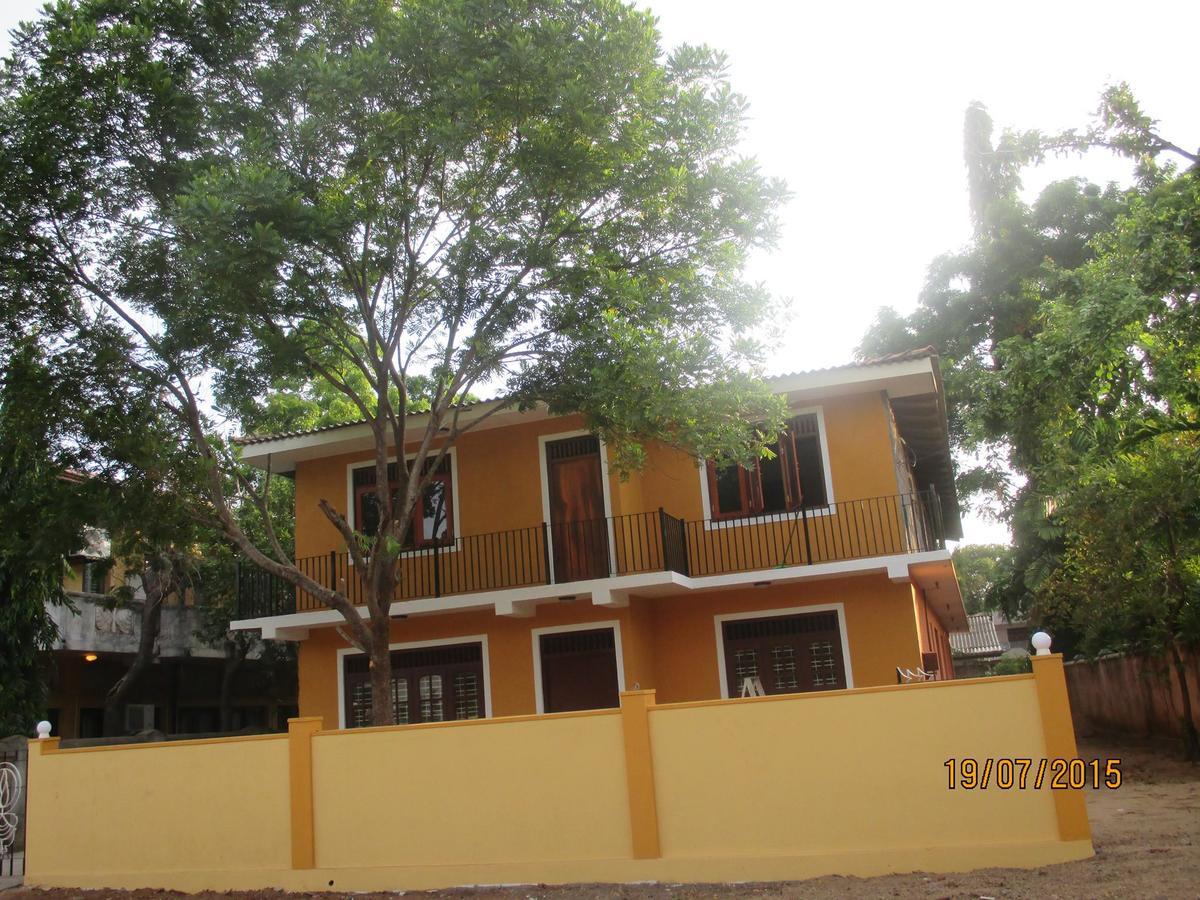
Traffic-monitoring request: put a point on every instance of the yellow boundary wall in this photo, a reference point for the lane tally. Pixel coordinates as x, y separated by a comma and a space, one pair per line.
773, 788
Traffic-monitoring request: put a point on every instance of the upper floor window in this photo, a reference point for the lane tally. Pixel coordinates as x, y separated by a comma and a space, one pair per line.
95, 576
794, 478
433, 517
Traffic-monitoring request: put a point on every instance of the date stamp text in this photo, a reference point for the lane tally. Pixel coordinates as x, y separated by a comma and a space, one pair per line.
1008, 774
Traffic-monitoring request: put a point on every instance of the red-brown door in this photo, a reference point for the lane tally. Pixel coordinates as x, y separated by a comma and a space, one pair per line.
579, 670
578, 529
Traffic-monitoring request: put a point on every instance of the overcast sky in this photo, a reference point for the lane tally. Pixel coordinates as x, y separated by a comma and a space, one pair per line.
859, 107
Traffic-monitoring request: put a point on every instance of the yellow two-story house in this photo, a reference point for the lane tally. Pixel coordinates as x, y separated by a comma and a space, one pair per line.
537, 582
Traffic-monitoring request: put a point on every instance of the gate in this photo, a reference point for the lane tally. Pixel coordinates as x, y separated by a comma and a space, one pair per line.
14, 759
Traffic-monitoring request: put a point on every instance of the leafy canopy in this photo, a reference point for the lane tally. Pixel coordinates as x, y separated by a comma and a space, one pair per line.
382, 201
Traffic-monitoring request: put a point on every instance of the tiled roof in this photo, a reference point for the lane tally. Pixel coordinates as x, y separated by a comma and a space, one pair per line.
979, 638
904, 356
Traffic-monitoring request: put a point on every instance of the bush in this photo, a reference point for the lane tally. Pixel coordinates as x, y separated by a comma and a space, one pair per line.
1011, 665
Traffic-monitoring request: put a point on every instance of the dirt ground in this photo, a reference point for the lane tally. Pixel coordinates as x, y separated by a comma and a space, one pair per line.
1146, 835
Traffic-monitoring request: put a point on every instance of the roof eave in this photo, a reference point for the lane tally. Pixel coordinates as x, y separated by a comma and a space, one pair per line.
280, 454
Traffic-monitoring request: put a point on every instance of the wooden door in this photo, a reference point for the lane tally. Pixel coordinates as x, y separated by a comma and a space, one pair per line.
579, 670
789, 654
578, 528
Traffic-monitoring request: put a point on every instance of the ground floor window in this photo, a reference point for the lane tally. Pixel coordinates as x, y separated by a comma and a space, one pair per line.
788, 654
429, 684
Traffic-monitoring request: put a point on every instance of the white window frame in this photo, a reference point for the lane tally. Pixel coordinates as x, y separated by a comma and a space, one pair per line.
536, 637
720, 620
343, 652
352, 512
543, 476
828, 509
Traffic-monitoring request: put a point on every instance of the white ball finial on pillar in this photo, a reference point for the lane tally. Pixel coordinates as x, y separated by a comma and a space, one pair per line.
1041, 643
43, 730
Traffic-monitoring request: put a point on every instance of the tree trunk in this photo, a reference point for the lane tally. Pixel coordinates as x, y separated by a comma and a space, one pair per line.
383, 585
156, 587
382, 712
1175, 585
231, 665
1191, 738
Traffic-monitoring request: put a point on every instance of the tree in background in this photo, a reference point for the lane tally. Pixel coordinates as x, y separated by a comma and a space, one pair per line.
1114, 382
975, 300
42, 527
215, 587
525, 194
1129, 576
982, 569
1079, 373
158, 546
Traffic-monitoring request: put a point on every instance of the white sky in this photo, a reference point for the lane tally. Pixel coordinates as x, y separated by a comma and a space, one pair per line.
859, 106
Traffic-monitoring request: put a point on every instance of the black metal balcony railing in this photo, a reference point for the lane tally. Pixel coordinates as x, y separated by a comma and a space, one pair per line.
854, 529
566, 552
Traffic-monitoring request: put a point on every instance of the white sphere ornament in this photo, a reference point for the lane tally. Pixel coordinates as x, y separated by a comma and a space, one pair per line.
1041, 643
43, 730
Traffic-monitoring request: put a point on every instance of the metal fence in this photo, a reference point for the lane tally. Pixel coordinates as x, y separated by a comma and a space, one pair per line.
14, 760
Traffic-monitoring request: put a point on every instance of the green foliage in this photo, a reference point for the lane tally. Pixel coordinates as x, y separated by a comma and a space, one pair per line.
371, 202
1073, 331
1011, 665
1118, 414
1129, 575
982, 573
377, 202
40, 530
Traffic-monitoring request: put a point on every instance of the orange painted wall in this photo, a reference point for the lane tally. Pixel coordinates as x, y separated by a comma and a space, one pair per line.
860, 459
934, 638
510, 652
499, 479
73, 574
499, 484
668, 643
880, 627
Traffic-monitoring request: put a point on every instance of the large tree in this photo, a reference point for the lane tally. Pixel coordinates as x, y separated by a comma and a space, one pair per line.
42, 527
1113, 383
526, 197
981, 570
1075, 356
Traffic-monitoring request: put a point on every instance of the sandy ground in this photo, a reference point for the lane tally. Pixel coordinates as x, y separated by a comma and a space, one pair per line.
1146, 834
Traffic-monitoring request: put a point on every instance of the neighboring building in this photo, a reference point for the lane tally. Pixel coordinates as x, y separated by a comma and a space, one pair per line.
537, 583
178, 694
989, 636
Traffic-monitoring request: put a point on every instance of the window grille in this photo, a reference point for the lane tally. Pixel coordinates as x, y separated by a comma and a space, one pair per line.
745, 665
820, 654
568, 642
446, 680
783, 667
363, 476
431, 698
749, 629
793, 653
584, 445
466, 695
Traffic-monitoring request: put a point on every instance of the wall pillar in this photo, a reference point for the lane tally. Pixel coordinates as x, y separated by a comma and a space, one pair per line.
1069, 805
639, 773
300, 784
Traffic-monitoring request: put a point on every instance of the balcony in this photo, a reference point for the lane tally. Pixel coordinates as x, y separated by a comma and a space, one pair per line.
656, 541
